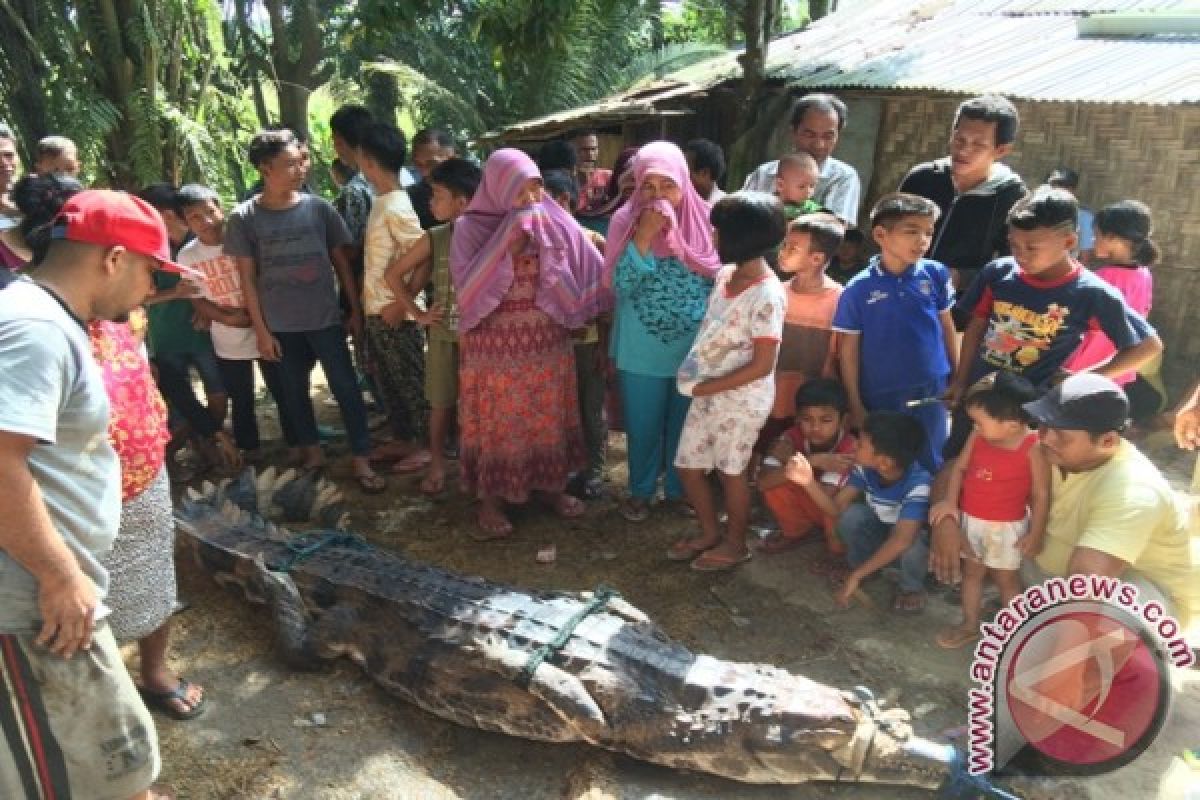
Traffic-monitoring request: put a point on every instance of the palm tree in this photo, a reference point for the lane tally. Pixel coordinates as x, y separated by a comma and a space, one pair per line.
137, 84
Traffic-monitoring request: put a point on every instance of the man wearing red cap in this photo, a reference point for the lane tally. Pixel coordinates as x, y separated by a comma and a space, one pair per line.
62, 484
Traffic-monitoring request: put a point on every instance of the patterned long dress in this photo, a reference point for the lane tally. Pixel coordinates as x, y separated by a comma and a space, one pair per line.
517, 405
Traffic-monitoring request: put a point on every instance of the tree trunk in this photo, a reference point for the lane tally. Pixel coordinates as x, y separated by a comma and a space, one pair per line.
293, 107
254, 61
758, 19
297, 52
654, 11
818, 9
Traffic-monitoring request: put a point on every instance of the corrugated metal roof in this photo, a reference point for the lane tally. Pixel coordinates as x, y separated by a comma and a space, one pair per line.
1024, 49
1078, 7
1039, 57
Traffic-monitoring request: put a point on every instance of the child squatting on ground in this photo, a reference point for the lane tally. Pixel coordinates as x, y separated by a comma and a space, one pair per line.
890, 525
729, 375
999, 494
820, 436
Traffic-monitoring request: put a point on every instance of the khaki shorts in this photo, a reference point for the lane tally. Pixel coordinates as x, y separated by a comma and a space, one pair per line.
995, 542
441, 373
72, 728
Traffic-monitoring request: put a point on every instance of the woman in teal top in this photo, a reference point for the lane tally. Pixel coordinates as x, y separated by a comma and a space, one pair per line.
661, 261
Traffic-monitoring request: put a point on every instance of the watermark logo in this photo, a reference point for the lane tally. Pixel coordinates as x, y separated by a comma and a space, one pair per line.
1072, 676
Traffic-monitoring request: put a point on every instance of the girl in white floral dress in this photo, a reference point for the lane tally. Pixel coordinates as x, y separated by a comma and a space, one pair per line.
729, 373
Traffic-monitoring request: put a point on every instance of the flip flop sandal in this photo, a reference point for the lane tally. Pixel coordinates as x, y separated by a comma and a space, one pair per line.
900, 604
708, 562
955, 638
162, 701
686, 550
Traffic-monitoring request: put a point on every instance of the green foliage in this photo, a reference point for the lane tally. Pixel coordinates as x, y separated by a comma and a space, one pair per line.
706, 21
720, 21
171, 89
144, 87
491, 62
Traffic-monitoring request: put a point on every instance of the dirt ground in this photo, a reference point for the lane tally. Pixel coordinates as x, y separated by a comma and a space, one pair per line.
332, 734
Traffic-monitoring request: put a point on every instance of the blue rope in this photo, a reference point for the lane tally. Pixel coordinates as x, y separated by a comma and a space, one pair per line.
962, 784
303, 546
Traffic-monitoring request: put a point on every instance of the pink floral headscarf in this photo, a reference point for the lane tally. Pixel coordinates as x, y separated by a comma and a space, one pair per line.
570, 282
688, 234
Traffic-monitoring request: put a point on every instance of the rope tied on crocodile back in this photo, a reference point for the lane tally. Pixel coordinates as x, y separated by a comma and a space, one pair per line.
303, 546
599, 600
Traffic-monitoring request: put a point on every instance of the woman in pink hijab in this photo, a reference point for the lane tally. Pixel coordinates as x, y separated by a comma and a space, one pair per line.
660, 261
525, 275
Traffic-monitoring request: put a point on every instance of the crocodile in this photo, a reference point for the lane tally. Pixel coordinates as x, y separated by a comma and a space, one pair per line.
549, 666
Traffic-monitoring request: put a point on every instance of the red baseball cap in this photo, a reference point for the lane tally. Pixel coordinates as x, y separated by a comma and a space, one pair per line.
110, 219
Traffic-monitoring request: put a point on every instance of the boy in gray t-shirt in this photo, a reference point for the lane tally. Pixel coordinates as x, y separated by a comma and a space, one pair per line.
288, 247
291, 248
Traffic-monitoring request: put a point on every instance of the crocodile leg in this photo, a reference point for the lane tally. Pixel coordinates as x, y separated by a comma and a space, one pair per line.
293, 637
559, 689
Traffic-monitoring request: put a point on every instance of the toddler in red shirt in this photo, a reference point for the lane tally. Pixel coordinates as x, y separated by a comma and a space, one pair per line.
999, 493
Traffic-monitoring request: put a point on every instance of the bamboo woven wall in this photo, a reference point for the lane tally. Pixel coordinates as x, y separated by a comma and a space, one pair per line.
1149, 153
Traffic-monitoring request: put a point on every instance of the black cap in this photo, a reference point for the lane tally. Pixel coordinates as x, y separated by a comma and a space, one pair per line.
1083, 402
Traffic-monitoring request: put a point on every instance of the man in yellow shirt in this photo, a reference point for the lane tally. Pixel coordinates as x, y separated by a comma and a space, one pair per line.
1112, 512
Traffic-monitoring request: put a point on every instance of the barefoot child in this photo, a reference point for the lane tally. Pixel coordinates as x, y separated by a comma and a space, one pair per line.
999, 493
820, 435
889, 525
454, 182
729, 374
